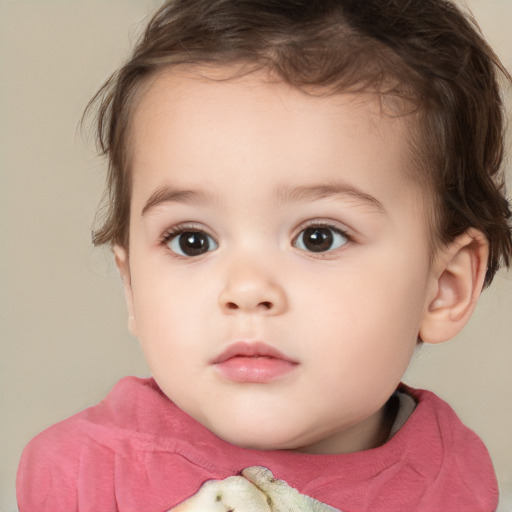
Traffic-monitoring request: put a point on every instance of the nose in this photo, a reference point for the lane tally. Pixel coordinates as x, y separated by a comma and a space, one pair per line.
250, 288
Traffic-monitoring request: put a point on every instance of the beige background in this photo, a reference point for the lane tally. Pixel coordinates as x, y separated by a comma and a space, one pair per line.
63, 340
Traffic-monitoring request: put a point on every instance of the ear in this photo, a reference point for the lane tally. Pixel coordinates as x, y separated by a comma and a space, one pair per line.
458, 277
123, 265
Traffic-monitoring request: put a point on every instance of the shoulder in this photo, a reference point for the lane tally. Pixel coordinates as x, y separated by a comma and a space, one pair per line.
449, 453
50, 461
437, 420
54, 462
135, 450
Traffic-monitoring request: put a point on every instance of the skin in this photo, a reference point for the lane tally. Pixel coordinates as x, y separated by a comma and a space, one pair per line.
242, 160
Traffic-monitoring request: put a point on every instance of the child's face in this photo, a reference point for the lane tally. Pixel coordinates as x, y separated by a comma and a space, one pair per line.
268, 222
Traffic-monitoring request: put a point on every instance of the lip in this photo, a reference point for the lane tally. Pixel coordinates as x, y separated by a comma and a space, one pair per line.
253, 362
250, 349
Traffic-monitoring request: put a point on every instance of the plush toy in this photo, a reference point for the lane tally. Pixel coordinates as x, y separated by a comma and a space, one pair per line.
255, 490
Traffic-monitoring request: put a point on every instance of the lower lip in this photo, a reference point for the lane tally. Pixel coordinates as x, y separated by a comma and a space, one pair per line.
254, 369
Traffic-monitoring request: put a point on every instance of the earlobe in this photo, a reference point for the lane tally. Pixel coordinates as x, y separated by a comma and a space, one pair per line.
123, 265
458, 274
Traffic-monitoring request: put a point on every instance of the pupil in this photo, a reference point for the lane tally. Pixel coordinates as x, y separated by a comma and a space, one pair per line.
318, 239
193, 243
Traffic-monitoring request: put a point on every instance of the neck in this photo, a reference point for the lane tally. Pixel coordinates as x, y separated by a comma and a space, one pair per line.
370, 433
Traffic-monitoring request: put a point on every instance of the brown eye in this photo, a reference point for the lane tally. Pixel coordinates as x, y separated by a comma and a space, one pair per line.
191, 243
320, 239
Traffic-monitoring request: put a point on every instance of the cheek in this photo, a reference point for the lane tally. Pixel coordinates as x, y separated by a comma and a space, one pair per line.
171, 308
159, 290
369, 318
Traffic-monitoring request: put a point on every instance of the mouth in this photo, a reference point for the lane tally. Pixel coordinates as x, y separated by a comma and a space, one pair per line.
258, 362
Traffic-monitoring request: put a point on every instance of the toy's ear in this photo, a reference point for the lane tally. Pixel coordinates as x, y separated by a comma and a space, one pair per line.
123, 265
458, 276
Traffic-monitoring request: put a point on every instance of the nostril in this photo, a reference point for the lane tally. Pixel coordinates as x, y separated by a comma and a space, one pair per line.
264, 305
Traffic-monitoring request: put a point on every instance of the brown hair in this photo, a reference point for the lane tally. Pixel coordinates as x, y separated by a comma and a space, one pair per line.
425, 51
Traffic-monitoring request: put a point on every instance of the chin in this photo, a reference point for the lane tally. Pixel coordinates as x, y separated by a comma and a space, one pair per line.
261, 439
259, 444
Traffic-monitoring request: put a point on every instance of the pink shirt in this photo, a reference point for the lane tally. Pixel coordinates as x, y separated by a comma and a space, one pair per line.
136, 451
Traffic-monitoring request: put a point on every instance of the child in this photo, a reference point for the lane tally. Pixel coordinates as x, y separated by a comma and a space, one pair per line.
300, 193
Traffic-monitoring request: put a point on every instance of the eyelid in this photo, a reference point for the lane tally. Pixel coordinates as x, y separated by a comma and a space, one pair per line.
176, 230
185, 226
324, 223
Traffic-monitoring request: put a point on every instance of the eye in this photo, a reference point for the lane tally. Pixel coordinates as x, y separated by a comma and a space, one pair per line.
320, 239
190, 243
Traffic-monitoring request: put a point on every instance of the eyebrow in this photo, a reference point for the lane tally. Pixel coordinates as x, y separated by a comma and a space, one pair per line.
168, 194
327, 190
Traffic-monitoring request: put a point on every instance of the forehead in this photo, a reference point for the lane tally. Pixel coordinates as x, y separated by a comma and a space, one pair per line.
206, 121
197, 90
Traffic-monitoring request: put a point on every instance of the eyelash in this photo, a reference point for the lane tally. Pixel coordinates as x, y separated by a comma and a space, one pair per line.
326, 225
175, 231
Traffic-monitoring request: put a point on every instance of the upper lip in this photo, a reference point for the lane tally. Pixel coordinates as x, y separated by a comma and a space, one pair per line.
250, 349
